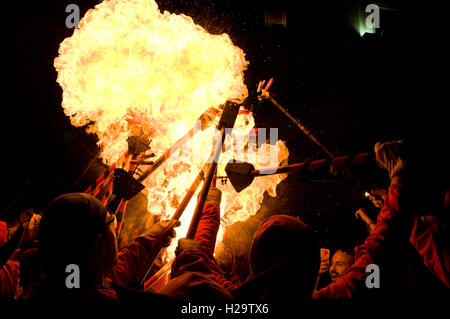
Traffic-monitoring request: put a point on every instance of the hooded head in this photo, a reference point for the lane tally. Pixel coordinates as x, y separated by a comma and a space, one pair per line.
280, 238
283, 260
77, 229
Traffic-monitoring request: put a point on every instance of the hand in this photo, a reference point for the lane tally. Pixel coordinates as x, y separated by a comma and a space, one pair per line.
324, 266
30, 228
214, 195
390, 156
377, 196
185, 243
162, 232
324, 260
264, 95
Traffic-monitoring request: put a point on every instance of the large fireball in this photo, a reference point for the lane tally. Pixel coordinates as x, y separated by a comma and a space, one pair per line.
129, 60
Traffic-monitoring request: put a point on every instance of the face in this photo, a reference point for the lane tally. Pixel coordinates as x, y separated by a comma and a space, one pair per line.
339, 264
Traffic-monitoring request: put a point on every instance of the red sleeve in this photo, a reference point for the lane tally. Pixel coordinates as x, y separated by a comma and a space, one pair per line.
129, 261
436, 260
207, 228
9, 279
372, 247
203, 260
3, 233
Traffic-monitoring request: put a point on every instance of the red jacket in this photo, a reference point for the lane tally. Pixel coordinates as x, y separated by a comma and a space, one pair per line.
195, 270
123, 273
9, 279
3, 233
421, 237
130, 260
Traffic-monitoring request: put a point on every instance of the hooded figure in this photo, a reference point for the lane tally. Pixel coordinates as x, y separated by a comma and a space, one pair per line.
283, 258
77, 238
195, 272
78, 243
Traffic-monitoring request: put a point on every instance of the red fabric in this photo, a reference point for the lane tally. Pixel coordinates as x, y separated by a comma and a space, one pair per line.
198, 266
195, 274
266, 250
9, 279
436, 261
3, 233
206, 234
106, 293
421, 239
10, 285
153, 284
129, 262
207, 228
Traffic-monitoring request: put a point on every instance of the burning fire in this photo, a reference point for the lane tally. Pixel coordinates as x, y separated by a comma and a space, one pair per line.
129, 60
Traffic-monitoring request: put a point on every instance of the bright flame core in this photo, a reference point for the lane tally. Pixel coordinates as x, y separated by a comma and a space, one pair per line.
127, 59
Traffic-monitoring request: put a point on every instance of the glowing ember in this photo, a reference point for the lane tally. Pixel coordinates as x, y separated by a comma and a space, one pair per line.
128, 60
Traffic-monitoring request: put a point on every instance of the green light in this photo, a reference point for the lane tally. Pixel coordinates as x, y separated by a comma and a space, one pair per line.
360, 24
363, 29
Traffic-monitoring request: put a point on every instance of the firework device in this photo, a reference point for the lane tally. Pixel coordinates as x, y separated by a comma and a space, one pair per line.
241, 174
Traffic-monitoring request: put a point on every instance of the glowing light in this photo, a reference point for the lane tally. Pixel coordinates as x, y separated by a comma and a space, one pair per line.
128, 61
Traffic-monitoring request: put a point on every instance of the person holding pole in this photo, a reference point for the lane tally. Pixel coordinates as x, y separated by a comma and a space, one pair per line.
78, 244
195, 272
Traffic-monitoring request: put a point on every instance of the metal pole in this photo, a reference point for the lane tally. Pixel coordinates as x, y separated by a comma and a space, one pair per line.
299, 125
336, 161
206, 185
227, 120
205, 120
179, 212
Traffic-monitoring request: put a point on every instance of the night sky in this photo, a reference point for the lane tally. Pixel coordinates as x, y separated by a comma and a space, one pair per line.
351, 91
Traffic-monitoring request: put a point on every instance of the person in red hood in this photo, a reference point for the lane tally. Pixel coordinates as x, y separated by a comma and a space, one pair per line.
283, 258
17, 238
3, 232
77, 232
400, 230
9, 270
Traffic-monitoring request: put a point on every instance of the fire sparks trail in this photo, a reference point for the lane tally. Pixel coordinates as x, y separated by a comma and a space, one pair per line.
127, 59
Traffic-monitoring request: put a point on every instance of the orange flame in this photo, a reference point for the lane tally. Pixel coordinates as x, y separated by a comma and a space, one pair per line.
127, 59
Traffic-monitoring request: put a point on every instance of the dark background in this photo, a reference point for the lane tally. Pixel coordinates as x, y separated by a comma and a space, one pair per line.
351, 91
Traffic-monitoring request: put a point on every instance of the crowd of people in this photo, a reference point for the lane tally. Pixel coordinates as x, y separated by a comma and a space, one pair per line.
71, 251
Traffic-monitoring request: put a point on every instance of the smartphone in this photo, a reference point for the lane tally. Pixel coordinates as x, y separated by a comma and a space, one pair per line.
324, 254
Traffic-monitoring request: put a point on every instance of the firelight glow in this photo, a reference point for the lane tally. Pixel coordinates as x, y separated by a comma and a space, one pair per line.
129, 60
